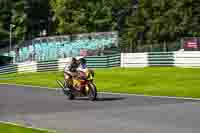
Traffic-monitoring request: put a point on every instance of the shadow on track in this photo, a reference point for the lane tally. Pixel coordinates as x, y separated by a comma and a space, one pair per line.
111, 99
102, 99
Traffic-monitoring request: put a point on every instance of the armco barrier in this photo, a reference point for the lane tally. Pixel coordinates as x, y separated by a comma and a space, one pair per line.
8, 69
161, 59
114, 61
134, 59
47, 66
104, 61
58, 65
27, 67
187, 59
178, 59
95, 61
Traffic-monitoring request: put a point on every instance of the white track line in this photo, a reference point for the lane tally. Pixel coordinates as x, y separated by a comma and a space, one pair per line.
111, 93
32, 86
23, 126
140, 95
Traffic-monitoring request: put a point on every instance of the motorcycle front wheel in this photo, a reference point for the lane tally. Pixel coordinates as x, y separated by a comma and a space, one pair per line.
92, 92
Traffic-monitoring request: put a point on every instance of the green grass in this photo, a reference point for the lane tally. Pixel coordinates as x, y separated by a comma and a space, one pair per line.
157, 81
8, 128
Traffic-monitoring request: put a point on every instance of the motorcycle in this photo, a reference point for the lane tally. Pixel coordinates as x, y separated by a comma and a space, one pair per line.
81, 86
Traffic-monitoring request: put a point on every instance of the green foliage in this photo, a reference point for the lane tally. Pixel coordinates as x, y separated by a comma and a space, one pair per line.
4, 60
5, 13
29, 18
19, 19
150, 22
159, 21
194, 29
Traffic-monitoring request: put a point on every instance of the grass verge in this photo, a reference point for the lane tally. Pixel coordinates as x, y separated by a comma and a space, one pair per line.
10, 128
156, 81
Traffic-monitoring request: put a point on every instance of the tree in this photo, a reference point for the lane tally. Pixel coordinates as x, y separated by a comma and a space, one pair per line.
194, 29
38, 17
19, 19
139, 23
158, 21
173, 20
66, 16
5, 17
86, 16
30, 17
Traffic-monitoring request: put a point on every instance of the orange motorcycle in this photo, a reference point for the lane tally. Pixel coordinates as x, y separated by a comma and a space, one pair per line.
81, 86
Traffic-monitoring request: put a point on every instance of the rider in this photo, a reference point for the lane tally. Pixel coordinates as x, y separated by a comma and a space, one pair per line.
82, 65
76, 68
82, 71
71, 69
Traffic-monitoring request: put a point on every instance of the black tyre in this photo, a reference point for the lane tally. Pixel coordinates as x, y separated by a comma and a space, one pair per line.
92, 94
71, 96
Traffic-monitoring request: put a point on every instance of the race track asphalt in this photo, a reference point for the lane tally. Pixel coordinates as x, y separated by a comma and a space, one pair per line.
50, 109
